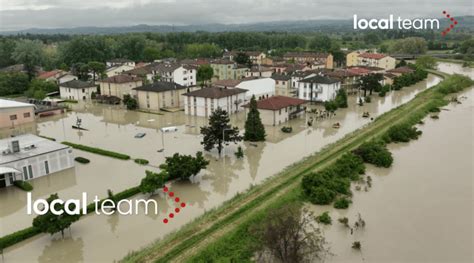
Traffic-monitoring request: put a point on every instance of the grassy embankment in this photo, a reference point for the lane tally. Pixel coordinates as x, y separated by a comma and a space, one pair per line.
222, 233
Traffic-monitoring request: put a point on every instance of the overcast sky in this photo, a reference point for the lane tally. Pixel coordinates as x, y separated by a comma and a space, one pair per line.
22, 14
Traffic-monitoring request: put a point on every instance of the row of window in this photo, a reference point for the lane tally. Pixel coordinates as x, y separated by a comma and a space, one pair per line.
15, 117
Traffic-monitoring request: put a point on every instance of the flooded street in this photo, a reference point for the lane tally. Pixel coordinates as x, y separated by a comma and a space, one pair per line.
422, 208
107, 238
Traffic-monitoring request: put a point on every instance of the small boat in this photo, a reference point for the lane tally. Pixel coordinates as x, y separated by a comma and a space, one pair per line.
140, 135
366, 115
79, 128
336, 125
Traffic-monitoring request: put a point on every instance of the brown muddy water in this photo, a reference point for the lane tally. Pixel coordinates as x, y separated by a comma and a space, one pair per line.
422, 208
107, 238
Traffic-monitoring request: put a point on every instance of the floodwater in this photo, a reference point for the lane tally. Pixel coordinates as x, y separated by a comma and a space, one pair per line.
422, 208
108, 238
455, 68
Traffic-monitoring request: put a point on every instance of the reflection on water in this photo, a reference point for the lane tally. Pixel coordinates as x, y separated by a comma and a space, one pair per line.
420, 209
113, 128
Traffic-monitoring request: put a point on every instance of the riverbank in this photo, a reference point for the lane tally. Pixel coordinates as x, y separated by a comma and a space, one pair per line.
231, 217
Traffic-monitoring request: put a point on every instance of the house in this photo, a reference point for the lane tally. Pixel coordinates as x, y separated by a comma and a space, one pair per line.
66, 77
305, 57
77, 90
259, 72
145, 73
184, 75
318, 88
27, 157
203, 102
352, 57
119, 62
14, 113
116, 70
161, 95
52, 75
376, 60
283, 85
279, 109
226, 69
348, 79
119, 85
256, 57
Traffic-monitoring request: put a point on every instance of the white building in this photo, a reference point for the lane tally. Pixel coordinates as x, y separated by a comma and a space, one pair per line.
376, 60
174, 72
14, 113
26, 157
318, 88
203, 102
77, 90
120, 62
260, 88
116, 70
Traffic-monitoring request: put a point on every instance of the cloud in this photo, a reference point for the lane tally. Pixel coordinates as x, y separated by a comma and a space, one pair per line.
21, 14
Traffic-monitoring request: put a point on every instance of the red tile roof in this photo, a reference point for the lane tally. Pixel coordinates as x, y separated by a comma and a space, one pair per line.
401, 70
359, 71
372, 55
277, 102
49, 74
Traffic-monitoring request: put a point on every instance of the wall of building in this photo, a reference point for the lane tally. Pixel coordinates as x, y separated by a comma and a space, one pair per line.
321, 92
11, 117
119, 89
204, 106
154, 101
76, 94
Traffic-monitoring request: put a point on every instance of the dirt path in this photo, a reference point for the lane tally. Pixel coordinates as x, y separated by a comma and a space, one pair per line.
217, 223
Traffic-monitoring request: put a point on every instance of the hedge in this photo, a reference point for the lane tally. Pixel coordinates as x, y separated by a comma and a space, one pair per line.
141, 161
98, 151
18, 236
23, 185
82, 160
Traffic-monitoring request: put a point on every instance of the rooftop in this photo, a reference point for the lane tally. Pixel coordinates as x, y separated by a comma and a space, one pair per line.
160, 86
77, 84
13, 104
372, 55
41, 146
401, 70
306, 54
281, 77
320, 79
215, 92
227, 82
120, 79
49, 74
277, 102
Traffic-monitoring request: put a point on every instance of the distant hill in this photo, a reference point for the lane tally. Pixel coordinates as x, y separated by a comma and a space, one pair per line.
465, 23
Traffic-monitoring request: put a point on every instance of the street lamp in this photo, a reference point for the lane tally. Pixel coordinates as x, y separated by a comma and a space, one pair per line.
163, 131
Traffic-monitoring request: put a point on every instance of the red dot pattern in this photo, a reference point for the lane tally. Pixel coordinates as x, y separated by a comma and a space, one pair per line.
451, 26
177, 209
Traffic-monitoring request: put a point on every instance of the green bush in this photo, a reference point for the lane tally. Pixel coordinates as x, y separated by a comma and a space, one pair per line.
17, 237
321, 196
287, 129
239, 153
330, 105
324, 218
141, 161
82, 160
23, 185
342, 203
97, 151
341, 98
383, 91
367, 99
402, 133
376, 153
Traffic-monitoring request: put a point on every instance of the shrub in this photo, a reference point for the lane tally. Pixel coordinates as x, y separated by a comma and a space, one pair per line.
141, 161
23, 185
82, 160
344, 221
349, 165
330, 105
367, 99
376, 153
97, 151
239, 153
342, 203
324, 218
17, 237
383, 91
356, 245
433, 108
321, 196
402, 133
341, 98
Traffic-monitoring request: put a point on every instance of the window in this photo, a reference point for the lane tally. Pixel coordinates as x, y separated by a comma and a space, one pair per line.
46, 167
26, 115
279, 112
83, 90
25, 173
13, 117
30, 171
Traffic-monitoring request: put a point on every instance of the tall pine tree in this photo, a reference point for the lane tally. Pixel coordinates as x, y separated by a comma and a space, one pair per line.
219, 131
254, 130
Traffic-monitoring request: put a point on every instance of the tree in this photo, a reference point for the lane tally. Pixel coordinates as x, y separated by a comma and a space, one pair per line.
13, 83
320, 43
184, 166
288, 235
130, 102
205, 50
152, 181
51, 223
204, 73
7, 46
39, 88
81, 70
30, 54
341, 98
426, 62
243, 59
410, 45
254, 130
96, 68
370, 83
219, 131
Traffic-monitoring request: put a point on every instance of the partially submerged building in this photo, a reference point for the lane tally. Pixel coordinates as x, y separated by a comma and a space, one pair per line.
28, 156
203, 102
14, 113
279, 109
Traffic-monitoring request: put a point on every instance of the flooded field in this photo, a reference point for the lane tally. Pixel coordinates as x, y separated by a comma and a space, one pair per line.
421, 209
108, 238
454, 68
